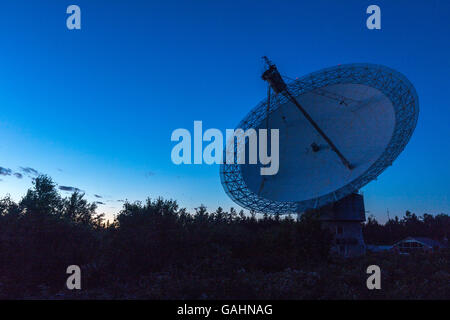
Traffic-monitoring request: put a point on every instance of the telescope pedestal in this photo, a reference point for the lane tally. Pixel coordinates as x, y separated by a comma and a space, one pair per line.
344, 219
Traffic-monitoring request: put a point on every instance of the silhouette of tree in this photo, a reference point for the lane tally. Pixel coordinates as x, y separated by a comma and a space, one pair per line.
43, 198
77, 209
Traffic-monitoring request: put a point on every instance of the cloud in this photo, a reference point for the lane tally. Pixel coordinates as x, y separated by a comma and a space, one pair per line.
29, 171
5, 171
150, 174
120, 200
70, 189
99, 202
18, 175
97, 196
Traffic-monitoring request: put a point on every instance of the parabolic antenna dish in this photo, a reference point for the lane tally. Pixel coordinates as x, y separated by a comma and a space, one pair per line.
368, 111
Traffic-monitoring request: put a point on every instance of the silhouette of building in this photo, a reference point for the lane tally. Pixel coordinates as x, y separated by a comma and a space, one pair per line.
414, 244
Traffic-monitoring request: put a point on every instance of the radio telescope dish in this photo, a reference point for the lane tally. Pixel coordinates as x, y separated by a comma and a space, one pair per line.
339, 128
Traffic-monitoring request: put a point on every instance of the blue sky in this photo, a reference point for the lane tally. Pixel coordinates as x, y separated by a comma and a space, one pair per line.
95, 108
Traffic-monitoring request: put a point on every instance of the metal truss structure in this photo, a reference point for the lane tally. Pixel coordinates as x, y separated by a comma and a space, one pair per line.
391, 83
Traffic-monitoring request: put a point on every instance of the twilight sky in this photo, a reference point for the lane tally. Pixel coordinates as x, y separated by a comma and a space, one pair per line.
95, 108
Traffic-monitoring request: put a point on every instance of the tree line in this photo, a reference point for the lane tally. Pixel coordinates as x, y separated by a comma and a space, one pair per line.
436, 227
157, 243
44, 233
